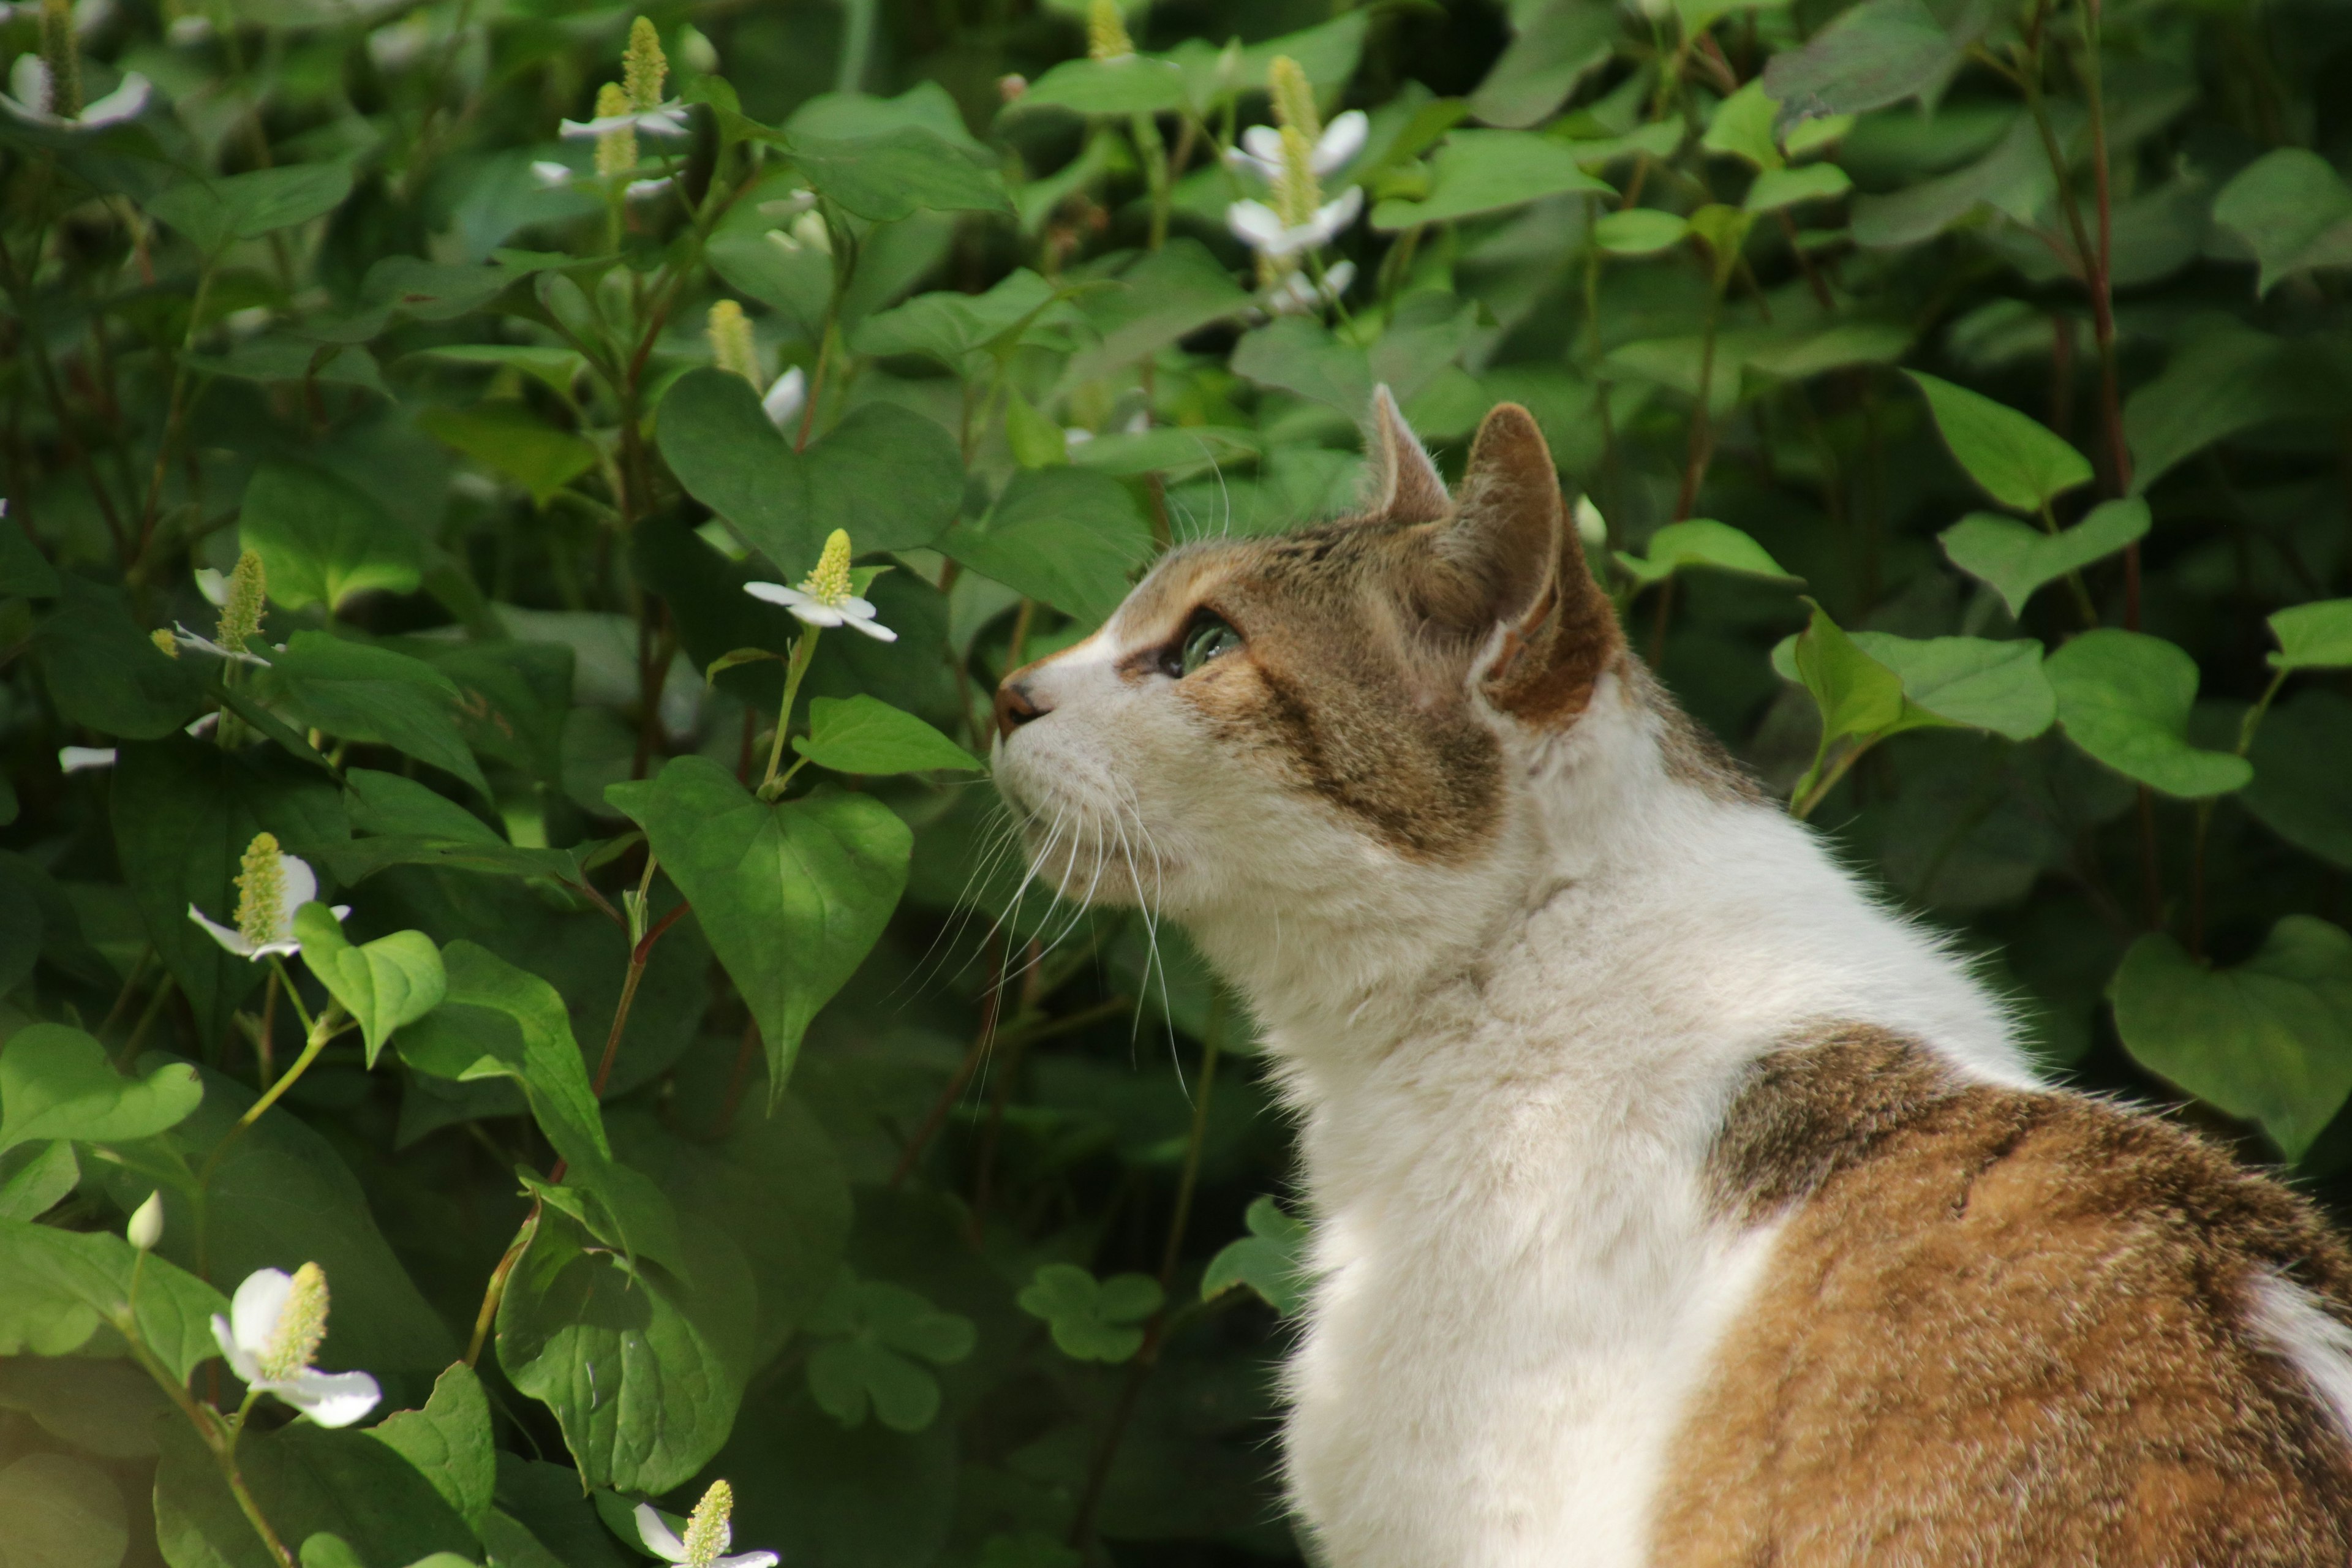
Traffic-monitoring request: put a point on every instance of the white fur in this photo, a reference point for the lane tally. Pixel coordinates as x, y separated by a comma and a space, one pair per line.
2286, 1318
1508, 1074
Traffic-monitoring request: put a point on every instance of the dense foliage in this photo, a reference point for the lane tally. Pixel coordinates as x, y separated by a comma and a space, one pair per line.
677, 1091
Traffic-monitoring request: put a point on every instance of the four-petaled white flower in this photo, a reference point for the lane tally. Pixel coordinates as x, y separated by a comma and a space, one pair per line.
275, 1323
1261, 228
661, 120
823, 598
31, 96
708, 1534
270, 886
1261, 148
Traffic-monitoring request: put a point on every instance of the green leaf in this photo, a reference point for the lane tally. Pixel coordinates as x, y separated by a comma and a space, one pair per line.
1858, 697
898, 173
2224, 382
62, 1513
1135, 85
948, 326
644, 1374
24, 572
306, 1481
1300, 355
39, 1184
104, 672
1874, 54
1271, 1260
58, 1286
1036, 441
1701, 541
2269, 1040
1091, 1319
1742, 128
322, 540
509, 438
1171, 292
2313, 637
367, 693
1777, 188
214, 213
1640, 231
500, 1021
873, 1333
792, 895
2016, 461
55, 1082
1968, 681
1557, 45
2292, 210
1069, 537
449, 1441
2124, 698
891, 478
863, 734
102, 1407
2302, 755
385, 984
1478, 172
2016, 561
183, 813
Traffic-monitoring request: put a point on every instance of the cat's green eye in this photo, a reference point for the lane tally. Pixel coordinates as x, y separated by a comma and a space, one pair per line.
1205, 639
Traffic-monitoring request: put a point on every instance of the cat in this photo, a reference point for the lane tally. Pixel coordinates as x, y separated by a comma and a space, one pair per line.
1674, 1201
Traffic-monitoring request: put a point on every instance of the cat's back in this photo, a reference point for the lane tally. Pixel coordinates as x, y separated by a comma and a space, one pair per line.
2008, 1327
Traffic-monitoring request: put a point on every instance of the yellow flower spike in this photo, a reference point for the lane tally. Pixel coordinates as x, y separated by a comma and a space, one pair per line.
165, 643
708, 1534
1297, 193
1293, 99
616, 150
731, 348
301, 1326
242, 605
643, 68
61, 52
1107, 35
261, 889
828, 584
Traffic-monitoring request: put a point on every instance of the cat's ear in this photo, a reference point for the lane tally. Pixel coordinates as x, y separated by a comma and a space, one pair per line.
1406, 486
1511, 543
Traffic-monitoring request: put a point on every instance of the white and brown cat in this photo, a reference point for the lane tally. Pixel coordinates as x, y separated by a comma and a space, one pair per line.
1675, 1202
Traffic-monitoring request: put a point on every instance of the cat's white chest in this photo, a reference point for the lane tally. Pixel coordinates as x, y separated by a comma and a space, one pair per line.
1498, 1357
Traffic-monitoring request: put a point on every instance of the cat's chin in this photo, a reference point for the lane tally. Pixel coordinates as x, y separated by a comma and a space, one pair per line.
1082, 868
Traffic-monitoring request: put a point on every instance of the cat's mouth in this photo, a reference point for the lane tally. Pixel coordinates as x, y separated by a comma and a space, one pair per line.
1093, 859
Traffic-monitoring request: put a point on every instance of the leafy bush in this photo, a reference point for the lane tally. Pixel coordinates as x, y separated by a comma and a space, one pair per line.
428, 864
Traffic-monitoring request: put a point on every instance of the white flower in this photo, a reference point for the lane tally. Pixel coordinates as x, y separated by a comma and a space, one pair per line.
708, 1534
554, 176
213, 583
1261, 148
823, 598
32, 97
1296, 294
662, 120
1261, 228
275, 1323
807, 233
189, 30
785, 398
1074, 437
79, 759
270, 886
188, 640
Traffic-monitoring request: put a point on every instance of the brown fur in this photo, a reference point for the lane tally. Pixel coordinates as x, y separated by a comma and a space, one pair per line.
2000, 1327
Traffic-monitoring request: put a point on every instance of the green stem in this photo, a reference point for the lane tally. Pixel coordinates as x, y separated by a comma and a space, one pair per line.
495, 1291
218, 1436
1152, 150
1816, 786
330, 1023
803, 649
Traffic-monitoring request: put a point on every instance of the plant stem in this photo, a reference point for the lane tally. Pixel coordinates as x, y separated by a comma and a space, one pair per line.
638, 955
1811, 794
1702, 433
495, 1292
1153, 153
218, 1435
803, 650
330, 1023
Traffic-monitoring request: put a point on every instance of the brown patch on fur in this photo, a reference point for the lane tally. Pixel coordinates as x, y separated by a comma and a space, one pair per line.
1998, 1328
1690, 752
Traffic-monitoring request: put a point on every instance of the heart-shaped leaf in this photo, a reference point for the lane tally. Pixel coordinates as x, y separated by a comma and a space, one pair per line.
323, 540
2313, 637
1490, 171
1091, 1319
2292, 209
891, 478
2017, 461
1639, 231
2124, 698
899, 172
2269, 1040
364, 692
1701, 541
385, 984
1070, 537
1973, 682
792, 895
449, 1442
1271, 1260
54, 1083
863, 734
2015, 560
872, 1335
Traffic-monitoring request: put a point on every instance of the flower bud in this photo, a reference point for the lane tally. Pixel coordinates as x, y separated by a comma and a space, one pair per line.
1011, 86
242, 605
731, 346
1107, 36
696, 51
1590, 526
644, 67
146, 1227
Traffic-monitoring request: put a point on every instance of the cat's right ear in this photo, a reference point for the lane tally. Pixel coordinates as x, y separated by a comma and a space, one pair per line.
1406, 486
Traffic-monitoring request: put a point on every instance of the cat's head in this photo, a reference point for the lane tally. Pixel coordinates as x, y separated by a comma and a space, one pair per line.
1343, 713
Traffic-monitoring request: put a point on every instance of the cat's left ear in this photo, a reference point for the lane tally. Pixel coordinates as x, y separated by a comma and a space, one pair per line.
1511, 542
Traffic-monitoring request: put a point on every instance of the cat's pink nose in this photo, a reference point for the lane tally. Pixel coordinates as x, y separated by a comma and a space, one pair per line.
1016, 704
